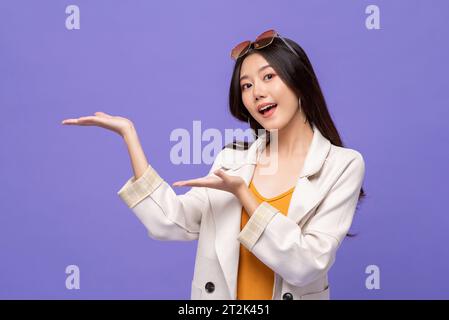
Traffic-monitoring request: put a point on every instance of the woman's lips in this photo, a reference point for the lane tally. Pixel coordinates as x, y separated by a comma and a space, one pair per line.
270, 112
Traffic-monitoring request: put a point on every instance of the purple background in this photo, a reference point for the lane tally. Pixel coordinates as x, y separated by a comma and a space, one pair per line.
164, 64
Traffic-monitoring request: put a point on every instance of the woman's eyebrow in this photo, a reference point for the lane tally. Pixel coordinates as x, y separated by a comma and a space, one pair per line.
245, 76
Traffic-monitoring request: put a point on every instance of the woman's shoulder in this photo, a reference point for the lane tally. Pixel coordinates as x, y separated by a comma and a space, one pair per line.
345, 153
341, 157
339, 161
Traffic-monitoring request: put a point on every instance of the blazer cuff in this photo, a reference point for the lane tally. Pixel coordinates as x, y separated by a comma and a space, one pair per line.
135, 191
256, 225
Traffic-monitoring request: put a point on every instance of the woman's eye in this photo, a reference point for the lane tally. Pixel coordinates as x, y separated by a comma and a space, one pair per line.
269, 74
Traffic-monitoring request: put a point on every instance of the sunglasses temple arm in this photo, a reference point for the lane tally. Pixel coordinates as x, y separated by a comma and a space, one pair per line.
288, 45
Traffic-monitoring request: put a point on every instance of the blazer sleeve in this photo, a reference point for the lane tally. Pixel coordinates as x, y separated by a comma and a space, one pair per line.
166, 215
302, 255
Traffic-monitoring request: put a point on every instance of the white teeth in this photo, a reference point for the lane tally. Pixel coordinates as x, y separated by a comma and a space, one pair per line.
266, 107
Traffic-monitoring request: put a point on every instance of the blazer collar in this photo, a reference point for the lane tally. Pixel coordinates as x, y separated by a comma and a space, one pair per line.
316, 155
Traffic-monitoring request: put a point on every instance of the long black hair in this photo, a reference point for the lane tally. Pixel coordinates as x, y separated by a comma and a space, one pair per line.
299, 76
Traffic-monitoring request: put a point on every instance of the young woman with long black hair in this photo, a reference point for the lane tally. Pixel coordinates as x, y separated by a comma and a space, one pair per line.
260, 235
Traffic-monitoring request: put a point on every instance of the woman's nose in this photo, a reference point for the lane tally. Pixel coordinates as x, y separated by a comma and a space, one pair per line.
258, 92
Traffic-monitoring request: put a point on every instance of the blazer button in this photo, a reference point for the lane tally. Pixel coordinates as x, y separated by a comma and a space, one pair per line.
210, 287
287, 296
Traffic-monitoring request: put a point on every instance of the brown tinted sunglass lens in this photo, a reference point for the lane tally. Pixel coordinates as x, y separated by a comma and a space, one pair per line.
264, 39
267, 34
240, 49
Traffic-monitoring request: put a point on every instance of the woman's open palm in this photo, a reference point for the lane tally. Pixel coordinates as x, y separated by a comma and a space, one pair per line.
104, 120
222, 181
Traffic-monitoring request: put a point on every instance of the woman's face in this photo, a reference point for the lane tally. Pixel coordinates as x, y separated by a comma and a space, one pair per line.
261, 85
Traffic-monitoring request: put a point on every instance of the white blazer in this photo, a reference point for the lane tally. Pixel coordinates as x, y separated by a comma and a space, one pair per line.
300, 247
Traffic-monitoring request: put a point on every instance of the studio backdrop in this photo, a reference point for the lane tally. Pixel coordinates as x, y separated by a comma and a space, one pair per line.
165, 65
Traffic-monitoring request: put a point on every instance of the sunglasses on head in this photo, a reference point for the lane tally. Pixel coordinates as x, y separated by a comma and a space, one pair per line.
263, 40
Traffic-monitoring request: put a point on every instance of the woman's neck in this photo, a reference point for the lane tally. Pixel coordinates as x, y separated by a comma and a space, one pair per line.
294, 139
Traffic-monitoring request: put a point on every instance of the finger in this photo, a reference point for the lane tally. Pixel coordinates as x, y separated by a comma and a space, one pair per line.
69, 121
85, 121
220, 173
102, 114
89, 121
189, 183
209, 182
78, 121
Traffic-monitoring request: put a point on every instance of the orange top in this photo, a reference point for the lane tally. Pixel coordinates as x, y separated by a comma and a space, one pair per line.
255, 280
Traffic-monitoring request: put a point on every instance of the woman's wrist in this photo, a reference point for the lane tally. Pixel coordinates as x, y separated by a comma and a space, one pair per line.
247, 199
241, 191
129, 134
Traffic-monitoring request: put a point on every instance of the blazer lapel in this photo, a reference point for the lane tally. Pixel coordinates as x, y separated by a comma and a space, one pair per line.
306, 196
227, 209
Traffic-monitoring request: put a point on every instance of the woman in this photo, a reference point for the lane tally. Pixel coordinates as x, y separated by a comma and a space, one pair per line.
260, 235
